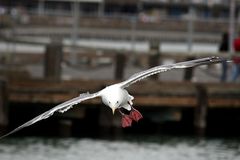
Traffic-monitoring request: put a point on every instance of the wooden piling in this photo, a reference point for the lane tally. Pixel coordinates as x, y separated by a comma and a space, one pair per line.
65, 128
200, 121
53, 60
153, 59
105, 122
3, 105
188, 73
120, 62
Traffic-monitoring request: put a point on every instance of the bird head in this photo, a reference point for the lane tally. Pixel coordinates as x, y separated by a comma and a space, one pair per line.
113, 97
113, 104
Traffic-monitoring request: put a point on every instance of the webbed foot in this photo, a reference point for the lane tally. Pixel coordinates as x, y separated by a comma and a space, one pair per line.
135, 115
126, 121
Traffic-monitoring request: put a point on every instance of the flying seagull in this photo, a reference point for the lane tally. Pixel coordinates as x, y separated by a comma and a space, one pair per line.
116, 96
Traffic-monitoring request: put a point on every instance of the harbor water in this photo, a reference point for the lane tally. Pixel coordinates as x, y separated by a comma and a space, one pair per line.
138, 148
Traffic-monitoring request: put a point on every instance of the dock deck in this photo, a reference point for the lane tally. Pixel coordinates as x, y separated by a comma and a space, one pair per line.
152, 93
149, 94
146, 93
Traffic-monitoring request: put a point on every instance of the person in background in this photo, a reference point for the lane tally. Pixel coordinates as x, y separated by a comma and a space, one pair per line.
224, 47
236, 60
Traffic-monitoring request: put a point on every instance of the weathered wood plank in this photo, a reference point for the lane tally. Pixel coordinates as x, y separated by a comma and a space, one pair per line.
221, 95
47, 98
224, 102
172, 101
154, 101
79, 86
146, 93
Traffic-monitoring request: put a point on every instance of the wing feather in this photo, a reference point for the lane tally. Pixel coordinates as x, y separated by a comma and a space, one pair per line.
144, 74
63, 107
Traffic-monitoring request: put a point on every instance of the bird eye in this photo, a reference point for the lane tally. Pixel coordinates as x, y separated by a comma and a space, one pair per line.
109, 102
117, 102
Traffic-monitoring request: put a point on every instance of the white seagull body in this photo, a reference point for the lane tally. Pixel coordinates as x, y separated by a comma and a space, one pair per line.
116, 96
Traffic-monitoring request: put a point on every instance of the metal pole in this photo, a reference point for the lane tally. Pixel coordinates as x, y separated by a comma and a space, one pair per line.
101, 8
133, 34
75, 12
231, 25
40, 7
140, 6
190, 26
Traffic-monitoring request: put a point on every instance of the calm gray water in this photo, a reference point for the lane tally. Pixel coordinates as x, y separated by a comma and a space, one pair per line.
161, 148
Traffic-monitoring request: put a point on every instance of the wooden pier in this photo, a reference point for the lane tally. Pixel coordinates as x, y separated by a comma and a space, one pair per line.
20, 88
148, 94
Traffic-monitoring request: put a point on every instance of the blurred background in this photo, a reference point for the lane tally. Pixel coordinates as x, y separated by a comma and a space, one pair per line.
53, 50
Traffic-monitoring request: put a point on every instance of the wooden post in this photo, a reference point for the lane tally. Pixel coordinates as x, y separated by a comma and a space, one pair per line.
200, 121
65, 128
3, 105
53, 59
153, 59
110, 125
188, 74
120, 62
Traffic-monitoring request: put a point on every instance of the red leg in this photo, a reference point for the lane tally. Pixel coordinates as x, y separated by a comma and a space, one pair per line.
126, 121
135, 115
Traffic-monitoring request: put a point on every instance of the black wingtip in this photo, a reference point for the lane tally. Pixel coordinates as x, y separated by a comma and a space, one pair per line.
9, 133
217, 59
4, 136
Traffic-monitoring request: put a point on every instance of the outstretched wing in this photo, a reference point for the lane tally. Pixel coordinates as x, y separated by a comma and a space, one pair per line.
63, 107
144, 74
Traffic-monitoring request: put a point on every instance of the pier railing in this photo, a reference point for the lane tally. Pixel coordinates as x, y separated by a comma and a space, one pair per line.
56, 54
